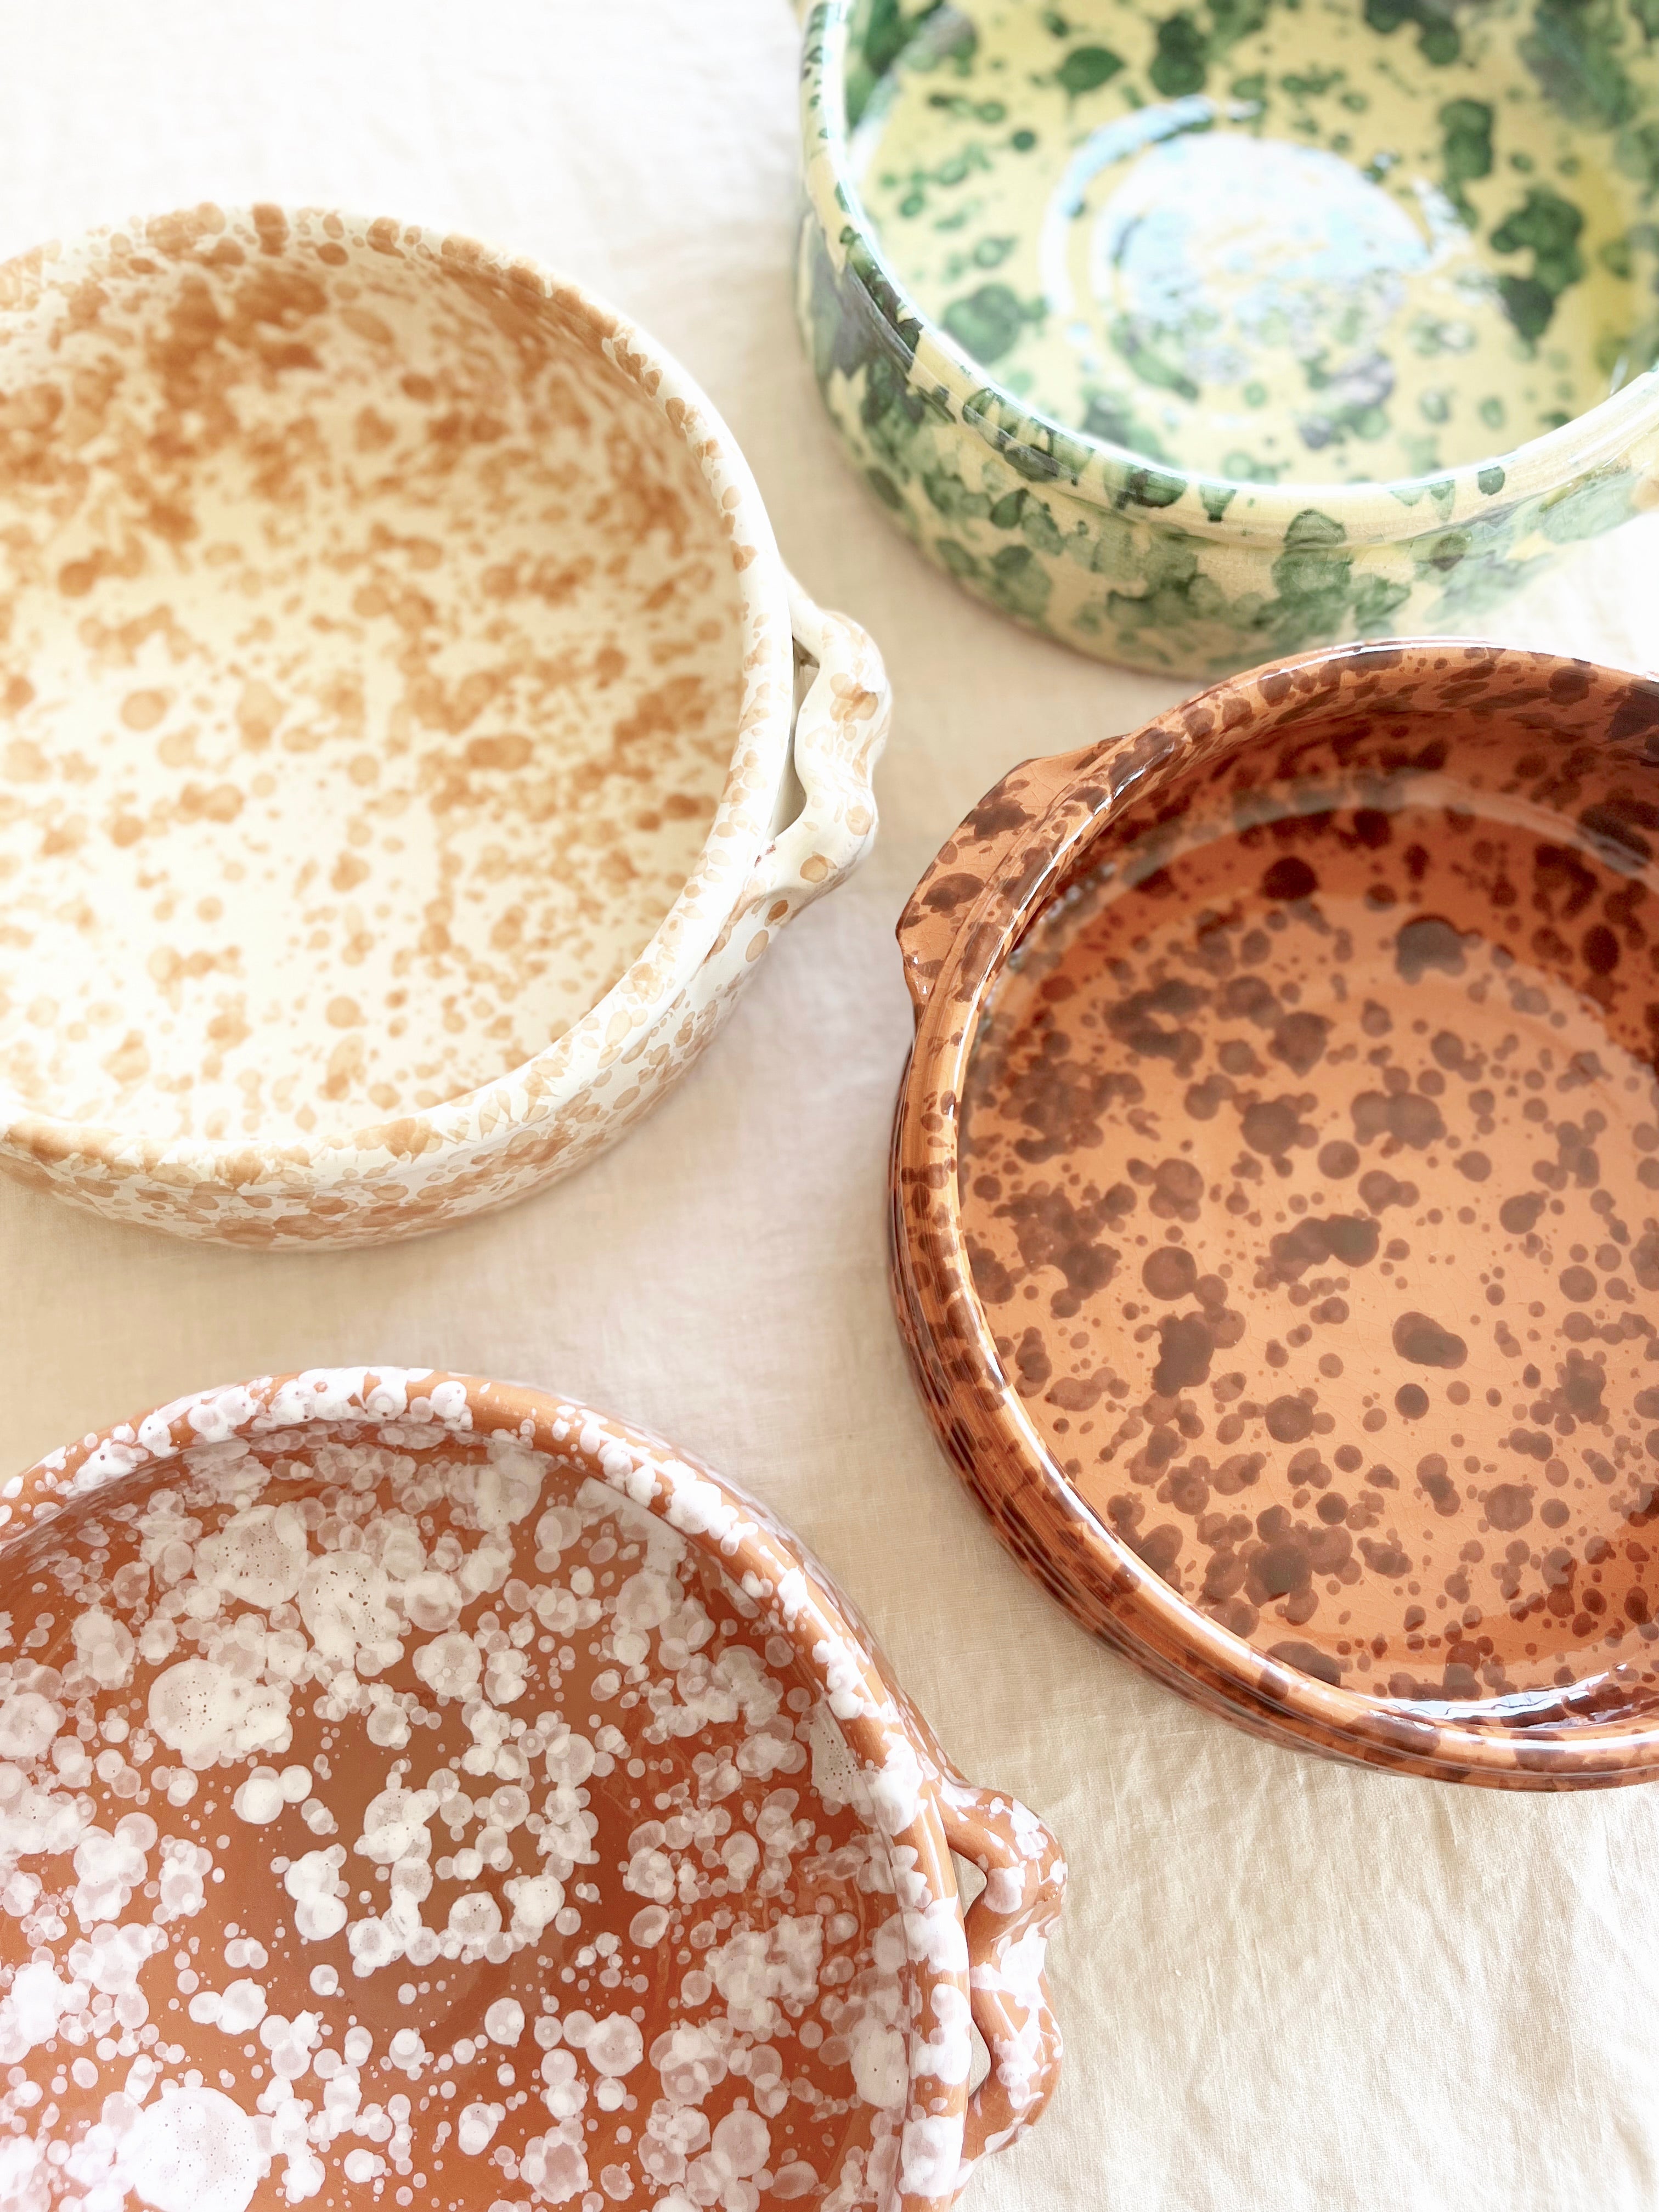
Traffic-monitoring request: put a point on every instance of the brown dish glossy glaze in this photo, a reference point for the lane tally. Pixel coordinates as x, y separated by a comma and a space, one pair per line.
417, 1789
1276, 1201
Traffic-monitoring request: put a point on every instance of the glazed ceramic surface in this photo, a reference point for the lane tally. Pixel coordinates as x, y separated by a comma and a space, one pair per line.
416, 1790
1190, 338
397, 777
1276, 1201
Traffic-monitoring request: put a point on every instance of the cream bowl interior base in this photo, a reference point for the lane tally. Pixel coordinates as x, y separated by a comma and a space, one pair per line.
370, 662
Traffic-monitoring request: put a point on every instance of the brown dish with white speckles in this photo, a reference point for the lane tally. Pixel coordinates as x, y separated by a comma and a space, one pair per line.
416, 1790
400, 767
1276, 1201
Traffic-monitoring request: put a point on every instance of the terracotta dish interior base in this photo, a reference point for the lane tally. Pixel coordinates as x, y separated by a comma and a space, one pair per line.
445, 1829
1309, 1180
370, 668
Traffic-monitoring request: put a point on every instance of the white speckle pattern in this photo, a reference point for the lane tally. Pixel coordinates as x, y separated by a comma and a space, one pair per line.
613, 1921
194, 2151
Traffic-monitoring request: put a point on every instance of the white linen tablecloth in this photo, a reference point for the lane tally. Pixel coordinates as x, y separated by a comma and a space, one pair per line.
1281, 1982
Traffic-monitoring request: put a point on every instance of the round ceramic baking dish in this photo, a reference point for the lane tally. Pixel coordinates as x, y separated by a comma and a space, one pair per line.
422, 1781
1192, 339
401, 766
1274, 1226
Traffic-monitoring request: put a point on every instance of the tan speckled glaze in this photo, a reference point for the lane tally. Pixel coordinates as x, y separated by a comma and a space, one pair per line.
1277, 1200
288, 1910
396, 684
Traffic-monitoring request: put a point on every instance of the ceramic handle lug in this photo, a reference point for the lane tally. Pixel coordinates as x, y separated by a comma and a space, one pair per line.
840, 731
1008, 1926
971, 859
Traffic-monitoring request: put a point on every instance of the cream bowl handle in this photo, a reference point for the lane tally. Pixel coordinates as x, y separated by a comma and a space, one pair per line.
840, 730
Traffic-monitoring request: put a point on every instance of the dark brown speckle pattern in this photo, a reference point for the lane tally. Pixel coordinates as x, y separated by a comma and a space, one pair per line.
1279, 1283
1311, 1221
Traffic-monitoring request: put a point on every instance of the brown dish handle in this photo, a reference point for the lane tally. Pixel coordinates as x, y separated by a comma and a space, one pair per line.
1007, 1927
967, 862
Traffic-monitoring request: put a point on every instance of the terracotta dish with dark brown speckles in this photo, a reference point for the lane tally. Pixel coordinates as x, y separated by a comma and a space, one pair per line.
1276, 1201
400, 763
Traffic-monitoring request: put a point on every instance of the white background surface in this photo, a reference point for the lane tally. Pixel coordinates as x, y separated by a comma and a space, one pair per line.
1282, 1983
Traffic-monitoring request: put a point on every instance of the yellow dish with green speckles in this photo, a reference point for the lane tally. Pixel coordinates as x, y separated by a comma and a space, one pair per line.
1198, 336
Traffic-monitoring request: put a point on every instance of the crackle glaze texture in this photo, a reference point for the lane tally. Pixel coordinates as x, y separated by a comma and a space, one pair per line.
396, 688
1194, 336
1277, 1200
413, 1790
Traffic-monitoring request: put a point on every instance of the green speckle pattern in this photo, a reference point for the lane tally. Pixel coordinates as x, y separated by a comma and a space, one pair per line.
1198, 336
1263, 237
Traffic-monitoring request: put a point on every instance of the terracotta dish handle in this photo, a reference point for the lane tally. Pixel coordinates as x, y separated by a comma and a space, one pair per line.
840, 730
1007, 1927
967, 861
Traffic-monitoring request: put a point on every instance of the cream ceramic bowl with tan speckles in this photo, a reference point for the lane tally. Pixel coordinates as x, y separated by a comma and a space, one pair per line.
400, 767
